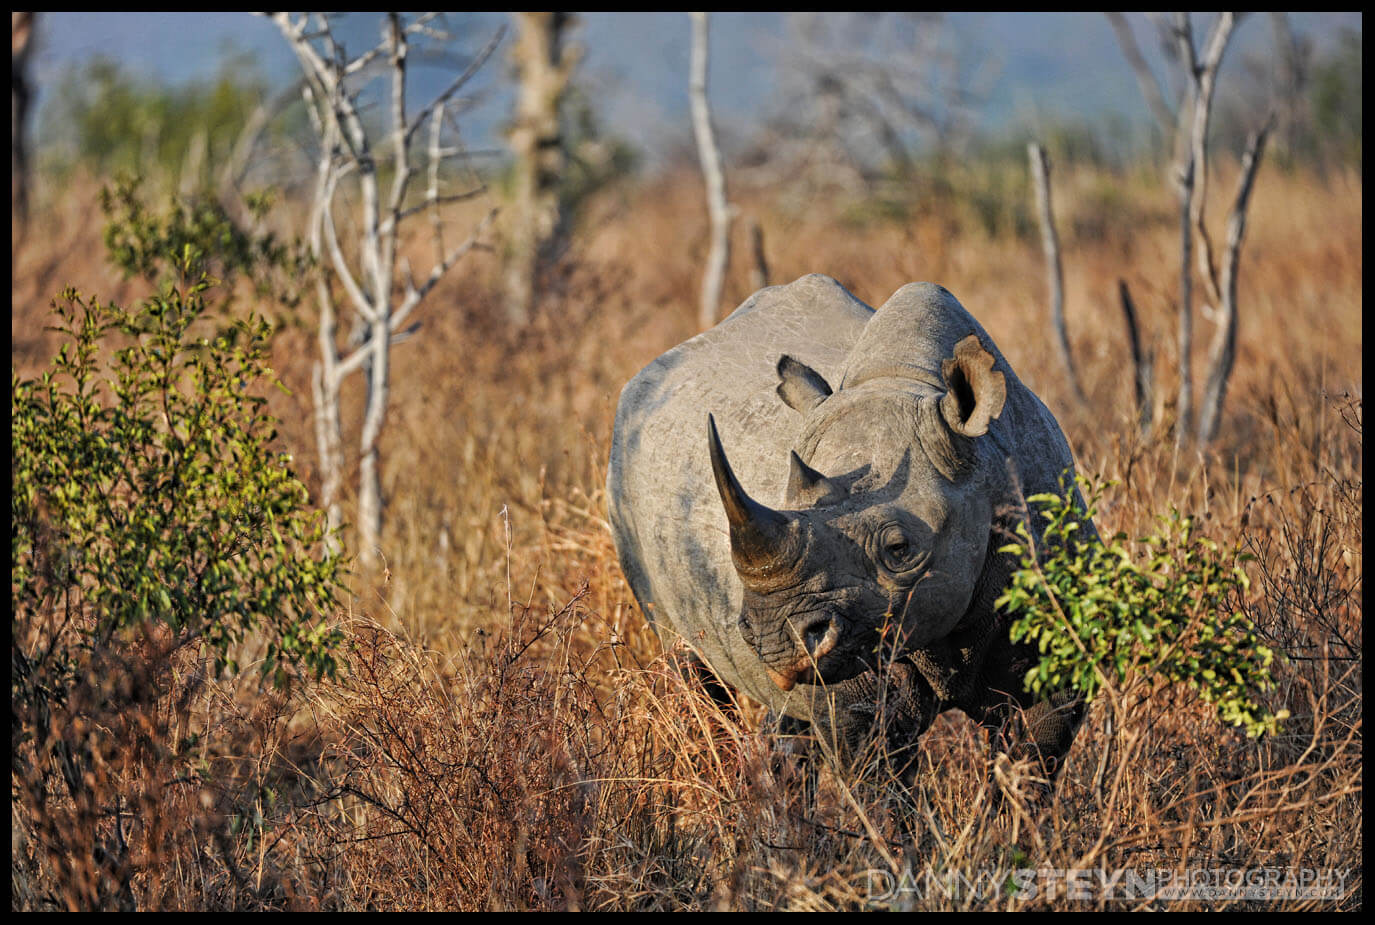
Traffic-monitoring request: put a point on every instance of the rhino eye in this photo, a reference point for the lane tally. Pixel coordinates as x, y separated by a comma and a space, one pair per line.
895, 552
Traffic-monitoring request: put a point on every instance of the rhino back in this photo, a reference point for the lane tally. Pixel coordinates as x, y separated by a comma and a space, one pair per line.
670, 529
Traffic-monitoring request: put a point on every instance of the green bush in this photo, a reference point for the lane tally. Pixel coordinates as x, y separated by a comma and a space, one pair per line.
1098, 616
105, 117
142, 242
146, 491
1336, 100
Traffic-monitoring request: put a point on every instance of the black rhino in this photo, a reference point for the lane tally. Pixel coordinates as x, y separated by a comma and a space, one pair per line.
811, 496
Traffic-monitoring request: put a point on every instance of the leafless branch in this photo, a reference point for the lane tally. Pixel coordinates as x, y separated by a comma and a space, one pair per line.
415, 295
360, 299
1050, 243
432, 190
232, 174
1150, 87
458, 82
1222, 353
1142, 362
1204, 76
713, 279
368, 269
860, 84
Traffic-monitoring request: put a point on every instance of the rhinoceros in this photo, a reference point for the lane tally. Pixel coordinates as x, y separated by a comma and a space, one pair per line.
812, 494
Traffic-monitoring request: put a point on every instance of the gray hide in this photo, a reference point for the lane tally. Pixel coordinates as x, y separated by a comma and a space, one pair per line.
674, 538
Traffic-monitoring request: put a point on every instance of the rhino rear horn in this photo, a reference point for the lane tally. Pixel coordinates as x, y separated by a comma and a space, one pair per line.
760, 538
806, 485
801, 387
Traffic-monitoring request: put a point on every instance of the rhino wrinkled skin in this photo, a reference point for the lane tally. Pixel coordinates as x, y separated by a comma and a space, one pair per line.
811, 494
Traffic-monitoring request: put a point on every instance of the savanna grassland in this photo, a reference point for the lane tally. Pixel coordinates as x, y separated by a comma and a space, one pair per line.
505, 731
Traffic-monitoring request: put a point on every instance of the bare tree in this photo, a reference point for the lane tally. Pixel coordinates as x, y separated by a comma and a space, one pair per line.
1050, 243
21, 43
544, 62
1199, 67
859, 90
368, 267
1145, 80
718, 208
1193, 189
1143, 360
1222, 353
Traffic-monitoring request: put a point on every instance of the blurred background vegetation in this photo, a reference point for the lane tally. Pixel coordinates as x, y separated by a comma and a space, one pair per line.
107, 114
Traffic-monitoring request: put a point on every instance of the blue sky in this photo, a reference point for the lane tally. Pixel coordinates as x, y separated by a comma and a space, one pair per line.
1037, 64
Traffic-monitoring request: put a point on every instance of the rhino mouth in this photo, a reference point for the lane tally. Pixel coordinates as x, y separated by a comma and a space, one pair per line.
825, 654
807, 673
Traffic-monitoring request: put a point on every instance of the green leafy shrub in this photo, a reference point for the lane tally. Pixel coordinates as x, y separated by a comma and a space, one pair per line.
1336, 100
157, 537
149, 492
104, 116
1098, 616
139, 241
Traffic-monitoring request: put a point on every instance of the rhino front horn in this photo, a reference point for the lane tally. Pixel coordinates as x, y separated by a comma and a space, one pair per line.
761, 539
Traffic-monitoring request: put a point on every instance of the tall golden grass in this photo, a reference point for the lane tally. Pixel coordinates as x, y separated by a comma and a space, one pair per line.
507, 732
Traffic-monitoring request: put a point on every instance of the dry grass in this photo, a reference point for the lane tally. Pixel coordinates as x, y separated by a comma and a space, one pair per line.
508, 733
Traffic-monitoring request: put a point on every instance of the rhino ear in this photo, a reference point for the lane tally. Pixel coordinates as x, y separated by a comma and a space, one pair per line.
975, 394
801, 387
976, 390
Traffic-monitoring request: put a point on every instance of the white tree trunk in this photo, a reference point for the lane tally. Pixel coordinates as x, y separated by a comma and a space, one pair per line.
368, 283
1184, 409
713, 280
544, 66
329, 445
1050, 243
370, 504
1193, 189
1222, 354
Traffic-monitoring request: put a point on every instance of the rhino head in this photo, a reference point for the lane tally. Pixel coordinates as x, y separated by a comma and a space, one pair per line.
885, 529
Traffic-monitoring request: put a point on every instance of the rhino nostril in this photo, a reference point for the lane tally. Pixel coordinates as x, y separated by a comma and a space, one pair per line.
820, 637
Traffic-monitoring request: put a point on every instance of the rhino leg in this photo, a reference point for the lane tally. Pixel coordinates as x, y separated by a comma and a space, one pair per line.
792, 753
871, 720
988, 684
882, 718
1042, 731
1048, 731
